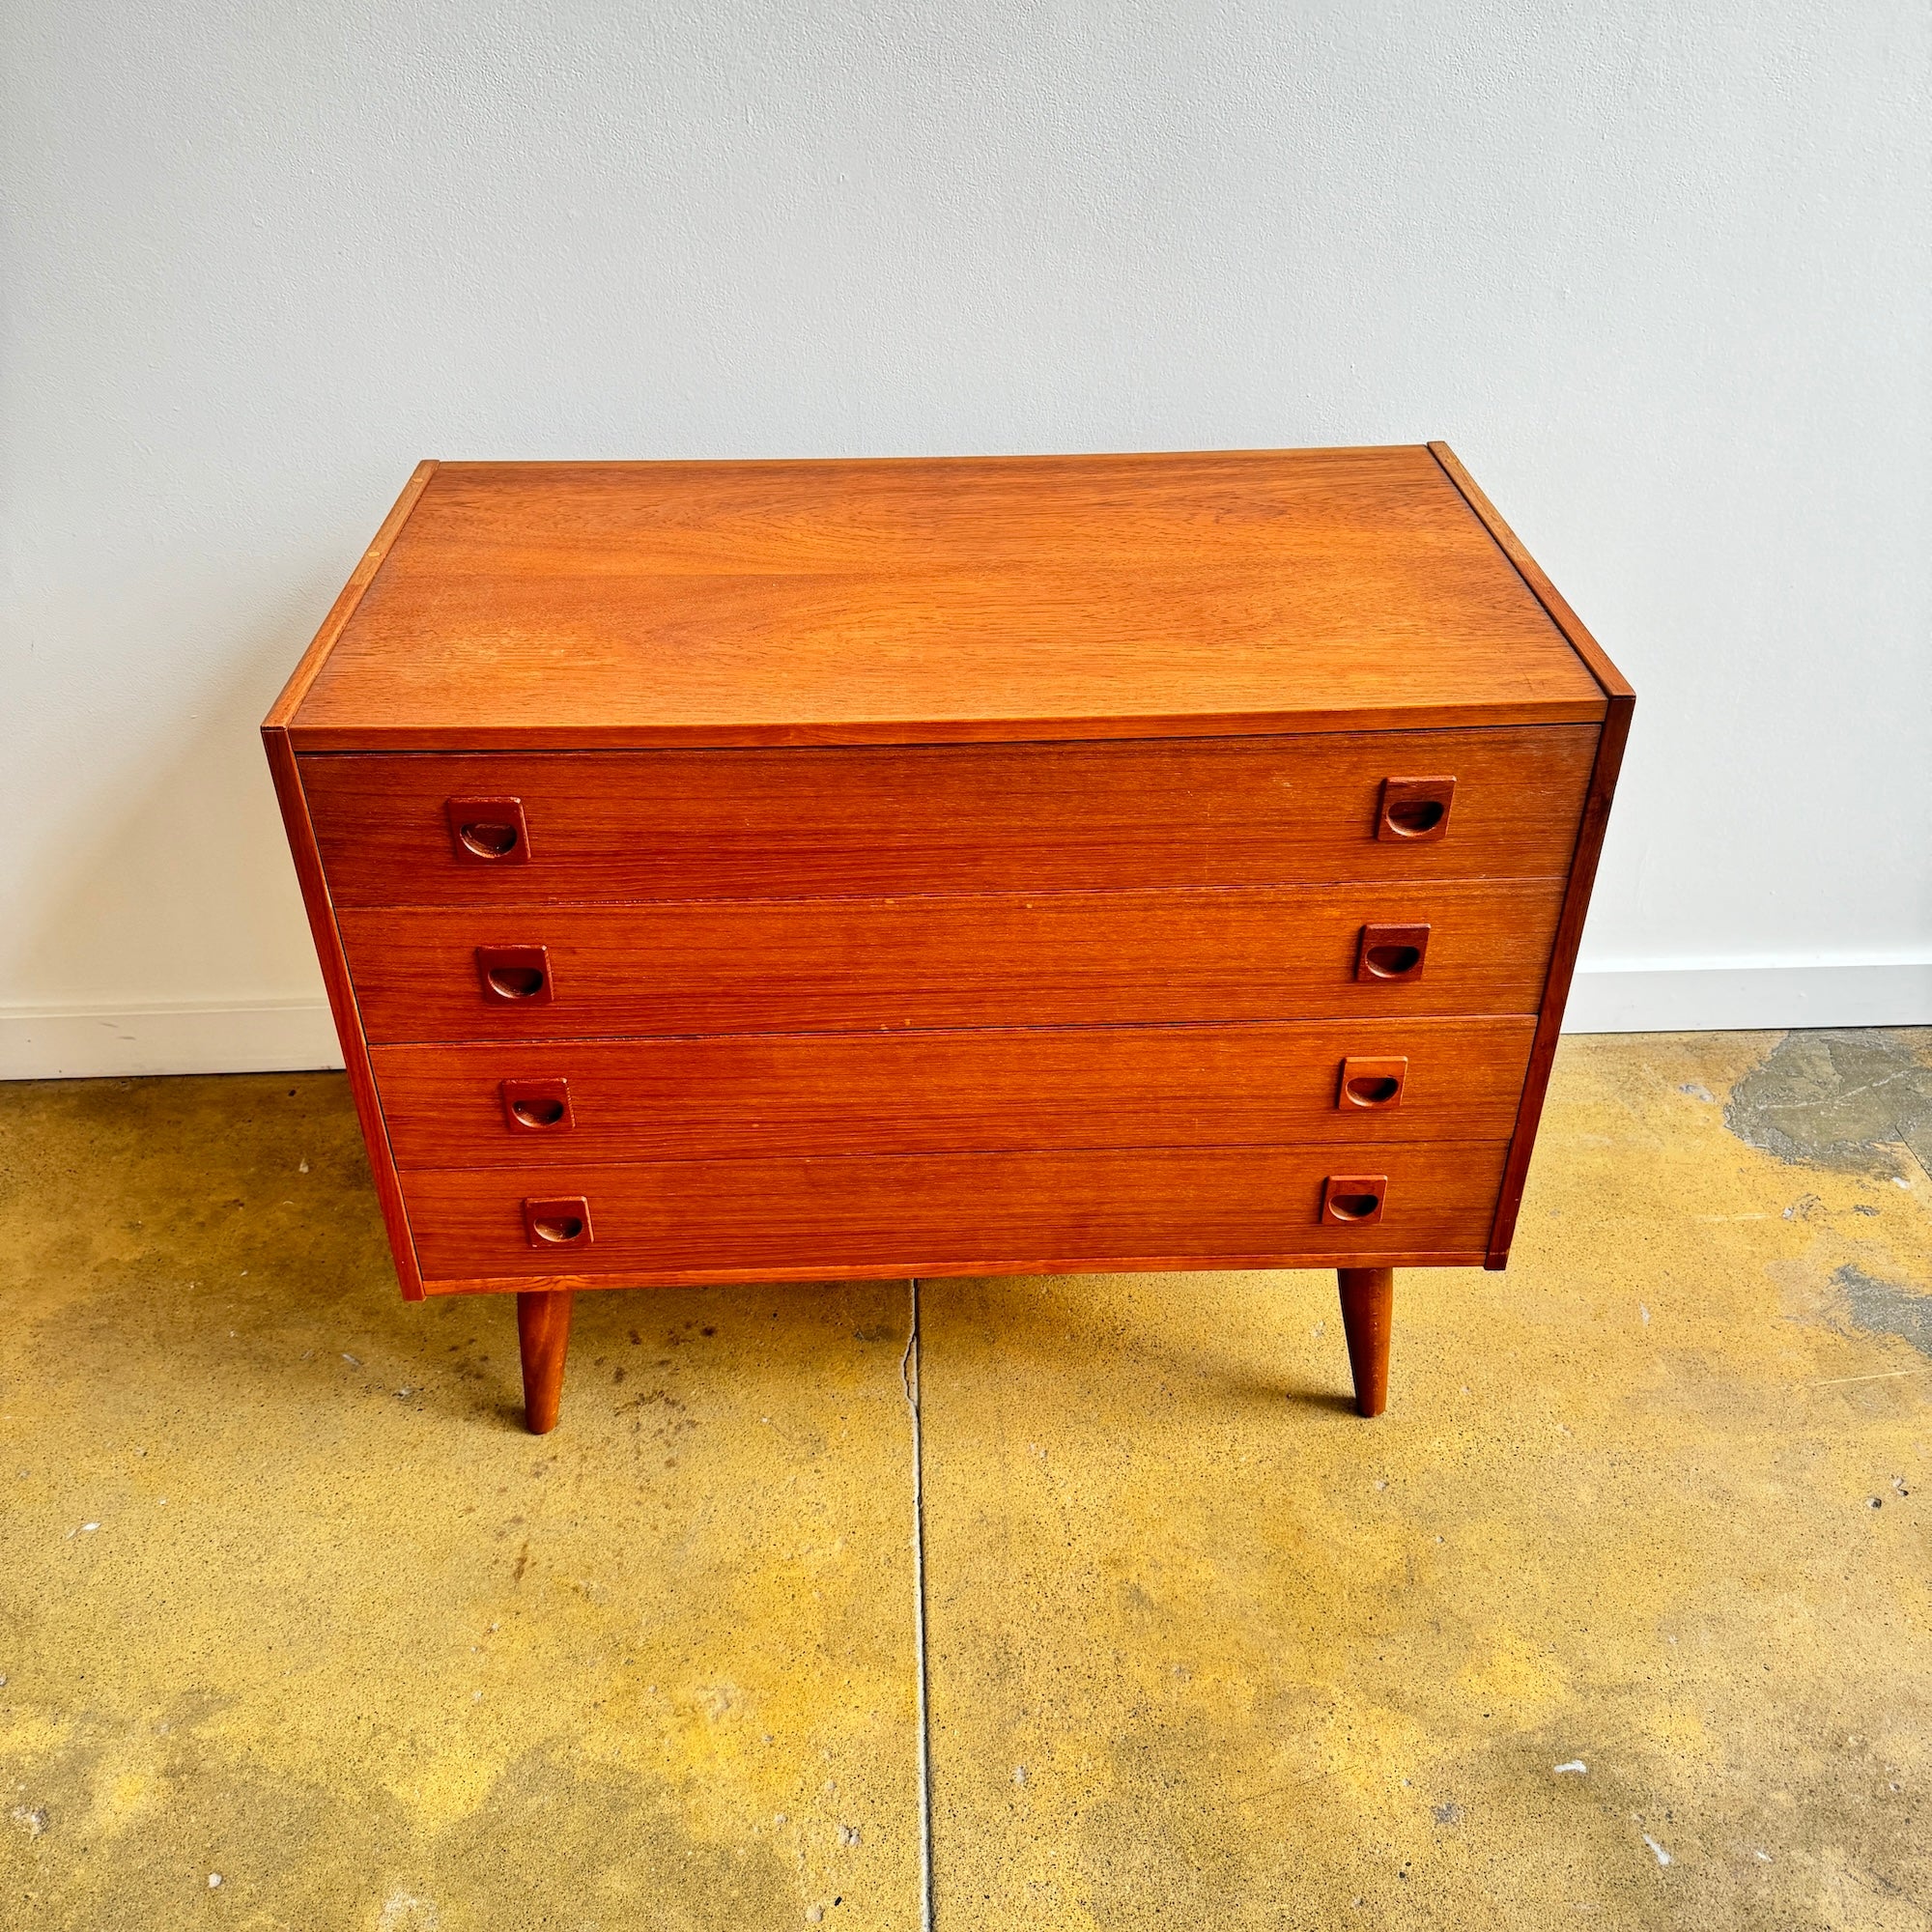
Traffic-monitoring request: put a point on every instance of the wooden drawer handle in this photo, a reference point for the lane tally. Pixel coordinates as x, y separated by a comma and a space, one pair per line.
1353, 1199
489, 830
1392, 952
516, 976
563, 1223
1375, 1084
1415, 809
537, 1106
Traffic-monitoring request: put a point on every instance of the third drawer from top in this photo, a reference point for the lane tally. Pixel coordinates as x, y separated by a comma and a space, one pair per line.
732, 1095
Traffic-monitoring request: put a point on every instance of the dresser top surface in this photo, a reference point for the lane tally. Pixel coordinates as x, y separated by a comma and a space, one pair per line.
604, 604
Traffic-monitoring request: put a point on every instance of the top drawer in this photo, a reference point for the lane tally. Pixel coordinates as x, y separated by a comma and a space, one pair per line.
825, 823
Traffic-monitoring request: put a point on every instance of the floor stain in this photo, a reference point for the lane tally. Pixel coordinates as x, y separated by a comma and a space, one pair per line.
1886, 1308
1846, 1099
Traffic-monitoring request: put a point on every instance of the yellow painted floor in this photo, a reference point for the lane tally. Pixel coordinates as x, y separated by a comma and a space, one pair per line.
1619, 1618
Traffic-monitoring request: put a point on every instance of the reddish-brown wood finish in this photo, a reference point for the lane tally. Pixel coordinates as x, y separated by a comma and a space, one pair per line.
543, 1341
579, 605
349, 1029
721, 1097
282, 713
802, 871
1415, 812
1057, 958
557, 1221
881, 820
482, 832
1388, 954
989, 1213
539, 1106
1374, 1083
516, 976
1620, 701
1353, 1199
312, 878
1367, 1315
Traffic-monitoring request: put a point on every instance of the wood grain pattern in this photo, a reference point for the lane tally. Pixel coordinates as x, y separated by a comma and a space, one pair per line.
1568, 942
1596, 660
991, 1213
750, 824
283, 711
869, 953
734, 1095
342, 1006
1620, 703
1368, 1311
543, 1341
1056, 959
599, 605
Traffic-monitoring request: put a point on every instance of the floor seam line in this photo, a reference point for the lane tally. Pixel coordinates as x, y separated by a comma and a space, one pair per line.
909, 1381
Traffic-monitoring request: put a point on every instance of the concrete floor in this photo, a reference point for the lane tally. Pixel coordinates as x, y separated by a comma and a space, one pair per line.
1620, 1617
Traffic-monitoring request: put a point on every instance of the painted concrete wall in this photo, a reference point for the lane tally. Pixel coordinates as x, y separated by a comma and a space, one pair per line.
1658, 272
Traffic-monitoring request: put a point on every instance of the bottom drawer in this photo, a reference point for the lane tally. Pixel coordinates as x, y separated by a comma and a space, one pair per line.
804, 1218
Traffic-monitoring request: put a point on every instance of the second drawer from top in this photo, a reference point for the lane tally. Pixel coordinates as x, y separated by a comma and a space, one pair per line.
461, 829
1057, 960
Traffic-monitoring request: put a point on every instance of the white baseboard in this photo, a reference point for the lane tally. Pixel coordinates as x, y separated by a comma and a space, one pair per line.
1750, 995
81, 1042
287, 1036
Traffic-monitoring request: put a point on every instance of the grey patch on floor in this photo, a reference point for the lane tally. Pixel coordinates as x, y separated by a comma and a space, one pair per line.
1844, 1098
1885, 1308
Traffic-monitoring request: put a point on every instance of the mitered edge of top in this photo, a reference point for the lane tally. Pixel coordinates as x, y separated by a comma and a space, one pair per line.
1595, 659
281, 713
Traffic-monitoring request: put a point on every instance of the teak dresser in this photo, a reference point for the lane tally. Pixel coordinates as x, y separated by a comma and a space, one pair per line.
732, 871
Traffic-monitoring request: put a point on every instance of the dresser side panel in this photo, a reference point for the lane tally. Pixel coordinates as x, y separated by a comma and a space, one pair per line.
342, 1004
1562, 968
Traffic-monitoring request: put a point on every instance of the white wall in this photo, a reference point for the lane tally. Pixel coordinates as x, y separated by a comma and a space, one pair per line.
1658, 273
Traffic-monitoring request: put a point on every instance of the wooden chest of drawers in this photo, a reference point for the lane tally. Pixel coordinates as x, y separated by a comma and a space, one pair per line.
755, 871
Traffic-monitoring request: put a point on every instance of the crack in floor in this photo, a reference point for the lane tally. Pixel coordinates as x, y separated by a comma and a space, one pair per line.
909, 1368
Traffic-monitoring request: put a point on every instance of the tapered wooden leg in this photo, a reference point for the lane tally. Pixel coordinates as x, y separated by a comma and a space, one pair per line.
1367, 1302
543, 1335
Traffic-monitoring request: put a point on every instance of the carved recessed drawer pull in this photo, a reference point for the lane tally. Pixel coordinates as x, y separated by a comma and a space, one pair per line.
489, 830
514, 975
1372, 1083
1415, 809
537, 1106
1392, 952
564, 1223
1353, 1199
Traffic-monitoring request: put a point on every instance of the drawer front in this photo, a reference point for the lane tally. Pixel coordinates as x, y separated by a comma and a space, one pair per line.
1031, 1213
1060, 959
735, 1095
819, 823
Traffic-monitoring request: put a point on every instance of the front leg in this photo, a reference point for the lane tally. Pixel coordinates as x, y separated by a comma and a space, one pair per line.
543, 1336
1368, 1303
